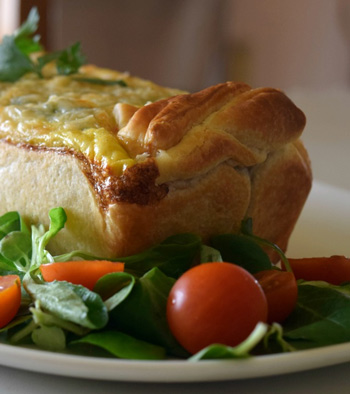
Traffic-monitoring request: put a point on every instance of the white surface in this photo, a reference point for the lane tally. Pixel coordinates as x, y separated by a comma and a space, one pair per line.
326, 217
323, 229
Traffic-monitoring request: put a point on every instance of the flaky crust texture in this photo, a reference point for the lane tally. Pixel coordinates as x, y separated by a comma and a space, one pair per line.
204, 162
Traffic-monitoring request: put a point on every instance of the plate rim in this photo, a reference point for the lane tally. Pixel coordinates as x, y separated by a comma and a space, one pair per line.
101, 368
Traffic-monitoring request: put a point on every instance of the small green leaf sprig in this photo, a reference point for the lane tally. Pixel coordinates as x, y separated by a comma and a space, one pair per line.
15, 51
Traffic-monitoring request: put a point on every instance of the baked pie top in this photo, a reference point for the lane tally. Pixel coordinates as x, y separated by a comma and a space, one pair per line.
115, 122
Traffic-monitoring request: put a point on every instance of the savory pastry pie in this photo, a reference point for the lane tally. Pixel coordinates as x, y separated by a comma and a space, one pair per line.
133, 163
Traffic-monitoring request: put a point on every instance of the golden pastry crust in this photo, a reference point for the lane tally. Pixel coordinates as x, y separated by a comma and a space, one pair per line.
200, 163
190, 134
279, 187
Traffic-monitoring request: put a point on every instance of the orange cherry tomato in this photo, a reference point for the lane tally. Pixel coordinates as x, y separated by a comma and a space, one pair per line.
281, 291
80, 272
215, 303
334, 269
10, 298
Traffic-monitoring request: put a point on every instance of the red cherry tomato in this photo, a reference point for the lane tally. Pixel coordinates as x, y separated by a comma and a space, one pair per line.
80, 272
10, 298
281, 291
334, 269
215, 303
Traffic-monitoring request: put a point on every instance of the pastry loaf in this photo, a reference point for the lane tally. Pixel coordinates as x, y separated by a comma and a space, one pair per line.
133, 163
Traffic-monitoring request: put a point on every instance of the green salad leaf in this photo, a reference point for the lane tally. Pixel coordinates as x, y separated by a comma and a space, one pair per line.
217, 351
247, 230
242, 250
274, 341
209, 254
173, 257
322, 316
114, 288
122, 345
49, 338
22, 251
69, 302
15, 243
10, 221
40, 237
143, 313
16, 247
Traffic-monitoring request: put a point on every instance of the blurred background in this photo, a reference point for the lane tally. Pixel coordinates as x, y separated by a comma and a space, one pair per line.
301, 47
191, 44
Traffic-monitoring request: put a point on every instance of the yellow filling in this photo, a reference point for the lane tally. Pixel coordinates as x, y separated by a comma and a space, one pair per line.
62, 112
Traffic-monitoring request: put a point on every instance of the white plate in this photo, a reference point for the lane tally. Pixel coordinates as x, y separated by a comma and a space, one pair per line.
323, 229
324, 226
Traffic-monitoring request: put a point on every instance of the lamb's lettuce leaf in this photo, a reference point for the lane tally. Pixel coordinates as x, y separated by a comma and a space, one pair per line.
173, 256
122, 345
143, 313
114, 288
243, 350
24, 250
40, 237
69, 302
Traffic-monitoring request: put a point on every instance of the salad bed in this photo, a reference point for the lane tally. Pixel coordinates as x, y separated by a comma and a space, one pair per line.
125, 313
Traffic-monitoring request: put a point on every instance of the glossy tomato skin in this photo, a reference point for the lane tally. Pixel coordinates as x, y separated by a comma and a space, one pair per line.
281, 291
10, 298
215, 303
